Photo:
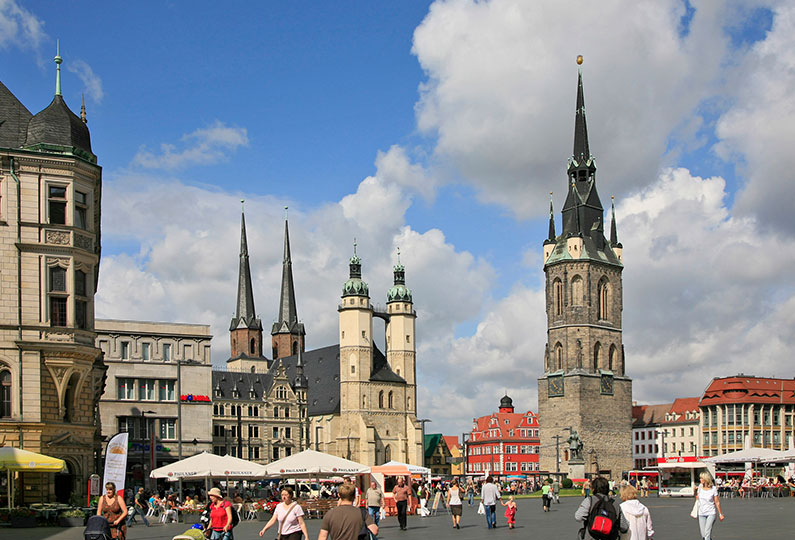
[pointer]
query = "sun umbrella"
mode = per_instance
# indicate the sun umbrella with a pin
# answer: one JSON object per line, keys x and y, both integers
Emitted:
{"x": 14, "y": 459}
{"x": 311, "y": 463}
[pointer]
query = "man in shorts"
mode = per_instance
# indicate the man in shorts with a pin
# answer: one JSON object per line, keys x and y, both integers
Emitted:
{"x": 346, "y": 521}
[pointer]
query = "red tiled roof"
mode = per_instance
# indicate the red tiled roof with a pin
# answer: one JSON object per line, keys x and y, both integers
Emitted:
{"x": 645, "y": 415}
{"x": 747, "y": 389}
{"x": 451, "y": 440}
{"x": 504, "y": 423}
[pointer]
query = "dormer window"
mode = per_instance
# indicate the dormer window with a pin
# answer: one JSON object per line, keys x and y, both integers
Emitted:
{"x": 218, "y": 392}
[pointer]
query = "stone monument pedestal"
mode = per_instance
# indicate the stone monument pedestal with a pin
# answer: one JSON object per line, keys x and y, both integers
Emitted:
{"x": 576, "y": 468}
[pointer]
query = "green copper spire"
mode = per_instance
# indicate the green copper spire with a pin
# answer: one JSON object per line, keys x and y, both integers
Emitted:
{"x": 58, "y": 61}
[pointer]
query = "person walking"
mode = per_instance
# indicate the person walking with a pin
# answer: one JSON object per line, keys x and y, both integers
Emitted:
{"x": 510, "y": 511}
{"x": 454, "y": 503}
{"x": 638, "y": 516}
{"x": 401, "y": 493}
{"x": 375, "y": 501}
{"x": 290, "y": 517}
{"x": 140, "y": 507}
{"x": 708, "y": 505}
{"x": 346, "y": 521}
{"x": 601, "y": 490}
{"x": 644, "y": 487}
{"x": 470, "y": 492}
{"x": 112, "y": 507}
{"x": 556, "y": 490}
{"x": 586, "y": 488}
{"x": 545, "y": 496}
{"x": 489, "y": 495}
{"x": 220, "y": 516}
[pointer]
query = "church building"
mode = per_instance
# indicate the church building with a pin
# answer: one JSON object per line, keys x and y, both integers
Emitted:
{"x": 584, "y": 394}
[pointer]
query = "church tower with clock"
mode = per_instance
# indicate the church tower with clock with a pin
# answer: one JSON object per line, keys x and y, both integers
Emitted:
{"x": 584, "y": 387}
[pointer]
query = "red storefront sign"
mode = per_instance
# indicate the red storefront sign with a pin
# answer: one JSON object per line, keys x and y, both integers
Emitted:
{"x": 193, "y": 397}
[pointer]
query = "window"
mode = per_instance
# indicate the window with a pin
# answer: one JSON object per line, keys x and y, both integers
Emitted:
{"x": 276, "y": 412}
{"x": 126, "y": 389}
{"x": 166, "y": 390}
{"x": 5, "y": 394}
{"x": 275, "y": 433}
{"x": 557, "y": 287}
{"x": 81, "y": 210}
{"x": 146, "y": 390}
{"x": 125, "y": 350}
{"x": 146, "y": 351}
{"x": 56, "y": 199}
{"x": 252, "y": 346}
{"x": 81, "y": 305}
{"x": 166, "y": 352}
{"x": 187, "y": 352}
{"x": 597, "y": 353}
{"x": 58, "y": 296}
{"x": 275, "y": 454}
{"x": 253, "y": 452}
{"x": 389, "y": 400}
{"x": 381, "y": 399}
{"x": 576, "y": 291}
{"x": 604, "y": 299}
{"x": 611, "y": 359}
{"x": 287, "y": 433}
{"x": 559, "y": 356}
{"x": 168, "y": 429}
{"x": 126, "y": 425}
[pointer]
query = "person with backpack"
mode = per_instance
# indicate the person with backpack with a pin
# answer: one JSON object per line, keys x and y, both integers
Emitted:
{"x": 346, "y": 521}
{"x": 638, "y": 516}
{"x": 221, "y": 516}
{"x": 601, "y": 517}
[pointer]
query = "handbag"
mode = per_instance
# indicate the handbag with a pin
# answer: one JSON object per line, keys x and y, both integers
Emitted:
{"x": 694, "y": 511}
{"x": 281, "y": 524}
{"x": 481, "y": 509}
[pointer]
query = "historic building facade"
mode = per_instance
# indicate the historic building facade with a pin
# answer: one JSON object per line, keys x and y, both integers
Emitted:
{"x": 158, "y": 374}
{"x": 503, "y": 443}
{"x": 438, "y": 455}
{"x": 584, "y": 387}
{"x": 745, "y": 411}
{"x": 51, "y": 374}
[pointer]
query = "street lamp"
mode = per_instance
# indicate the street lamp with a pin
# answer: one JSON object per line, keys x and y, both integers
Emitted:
{"x": 423, "y": 421}
{"x": 179, "y": 412}
{"x": 143, "y": 447}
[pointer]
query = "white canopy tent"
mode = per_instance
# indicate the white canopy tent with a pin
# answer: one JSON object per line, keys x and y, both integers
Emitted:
{"x": 312, "y": 463}
{"x": 749, "y": 455}
{"x": 206, "y": 465}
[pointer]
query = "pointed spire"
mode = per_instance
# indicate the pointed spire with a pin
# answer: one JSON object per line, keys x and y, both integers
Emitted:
{"x": 287, "y": 311}
{"x": 245, "y": 314}
{"x": 83, "y": 110}
{"x": 552, "y": 235}
{"x": 58, "y": 61}
{"x": 581, "y": 152}
{"x": 399, "y": 292}
{"x": 355, "y": 286}
{"x": 613, "y": 233}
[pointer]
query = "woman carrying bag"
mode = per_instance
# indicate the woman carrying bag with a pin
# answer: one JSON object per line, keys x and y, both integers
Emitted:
{"x": 290, "y": 516}
{"x": 707, "y": 505}
{"x": 220, "y": 516}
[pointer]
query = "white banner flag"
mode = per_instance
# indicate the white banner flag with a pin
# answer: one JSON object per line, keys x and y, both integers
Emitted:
{"x": 116, "y": 461}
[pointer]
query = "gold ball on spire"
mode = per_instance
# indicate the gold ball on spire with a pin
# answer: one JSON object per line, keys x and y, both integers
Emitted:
{"x": 579, "y": 60}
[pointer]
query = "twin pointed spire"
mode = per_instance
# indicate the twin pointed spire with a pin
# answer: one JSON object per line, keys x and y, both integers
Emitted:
{"x": 288, "y": 314}
{"x": 245, "y": 314}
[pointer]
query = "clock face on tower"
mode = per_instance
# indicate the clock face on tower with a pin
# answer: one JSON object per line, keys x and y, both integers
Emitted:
{"x": 555, "y": 385}
{"x": 606, "y": 384}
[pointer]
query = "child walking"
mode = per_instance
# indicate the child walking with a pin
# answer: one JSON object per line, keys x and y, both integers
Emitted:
{"x": 510, "y": 512}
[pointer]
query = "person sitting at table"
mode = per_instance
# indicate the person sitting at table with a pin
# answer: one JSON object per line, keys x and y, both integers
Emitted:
{"x": 190, "y": 503}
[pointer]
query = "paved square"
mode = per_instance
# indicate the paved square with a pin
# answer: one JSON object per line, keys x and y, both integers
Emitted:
{"x": 768, "y": 519}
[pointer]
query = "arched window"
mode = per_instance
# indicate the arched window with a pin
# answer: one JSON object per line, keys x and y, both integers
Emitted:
{"x": 364, "y": 402}
{"x": 5, "y": 393}
{"x": 604, "y": 299}
{"x": 295, "y": 347}
{"x": 253, "y": 369}
{"x": 611, "y": 362}
{"x": 597, "y": 352}
{"x": 558, "y": 356}
{"x": 557, "y": 298}
{"x": 387, "y": 454}
{"x": 381, "y": 399}
{"x": 576, "y": 291}
{"x": 252, "y": 347}
{"x": 69, "y": 398}
{"x": 287, "y": 412}
{"x": 389, "y": 400}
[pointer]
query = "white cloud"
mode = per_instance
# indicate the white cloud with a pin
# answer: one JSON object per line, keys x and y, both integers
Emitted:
{"x": 91, "y": 81}
{"x": 19, "y": 27}
{"x": 201, "y": 147}
{"x": 501, "y": 87}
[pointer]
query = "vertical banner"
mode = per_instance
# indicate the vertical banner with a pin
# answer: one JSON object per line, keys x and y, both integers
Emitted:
{"x": 116, "y": 461}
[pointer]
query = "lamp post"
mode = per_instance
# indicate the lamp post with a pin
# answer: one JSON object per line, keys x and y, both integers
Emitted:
{"x": 143, "y": 447}
{"x": 179, "y": 413}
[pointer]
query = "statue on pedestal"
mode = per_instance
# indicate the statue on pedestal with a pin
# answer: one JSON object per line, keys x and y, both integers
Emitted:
{"x": 575, "y": 446}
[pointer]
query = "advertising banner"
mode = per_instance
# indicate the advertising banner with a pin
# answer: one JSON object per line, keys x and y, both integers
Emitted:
{"x": 116, "y": 461}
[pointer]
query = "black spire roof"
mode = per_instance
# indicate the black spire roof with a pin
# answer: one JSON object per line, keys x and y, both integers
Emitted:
{"x": 506, "y": 402}
{"x": 551, "y": 237}
{"x": 14, "y": 119}
{"x": 581, "y": 151}
{"x": 613, "y": 233}
{"x": 288, "y": 314}
{"x": 57, "y": 125}
{"x": 245, "y": 316}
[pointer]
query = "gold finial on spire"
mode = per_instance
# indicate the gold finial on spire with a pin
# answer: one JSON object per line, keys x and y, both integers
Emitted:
{"x": 579, "y": 59}
{"x": 83, "y": 110}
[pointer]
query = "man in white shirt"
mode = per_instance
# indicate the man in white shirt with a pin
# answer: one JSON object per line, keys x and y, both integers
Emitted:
{"x": 489, "y": 495}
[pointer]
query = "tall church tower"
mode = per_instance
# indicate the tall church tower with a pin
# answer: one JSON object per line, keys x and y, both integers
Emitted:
{"x": 245, "y": 330}
{"x": 287, "y": 334}
{"x": 356, "y": 338}
{"x": 401, "y": 352}
{"x": 584, "y": 386}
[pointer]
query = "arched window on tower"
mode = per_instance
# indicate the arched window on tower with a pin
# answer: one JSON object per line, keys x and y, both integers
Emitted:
{"x": 5, "y": 393}
{"x": 295, "y": 347}
{"x": 611, "y": 359}
{"x": 597, "y": 353}
{"x": 558, "y": 356}
{"x": 604, "y": 299}
{"x": 252, "y": 346}
{"x": 557, "y": 297}
{"x": 364, "y": 402}
{"x": 381, "y": 399}
{"x": 576, "y": 291}
{"x": 387, "y": 454}
{"x": 389, "y": 400}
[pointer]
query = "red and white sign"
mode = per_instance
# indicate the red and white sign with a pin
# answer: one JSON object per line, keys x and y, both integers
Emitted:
{"x": 679, "y": 459}
{"x": 193, "y": 397}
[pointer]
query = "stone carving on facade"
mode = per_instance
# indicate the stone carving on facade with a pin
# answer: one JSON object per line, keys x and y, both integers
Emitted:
{"x": 57, "y": 237}
{"x": 84, "y": 242}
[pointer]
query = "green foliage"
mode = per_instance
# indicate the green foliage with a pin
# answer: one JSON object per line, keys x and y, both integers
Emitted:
{"x": 566, "y": 483}
{"x": 73, "y": 513}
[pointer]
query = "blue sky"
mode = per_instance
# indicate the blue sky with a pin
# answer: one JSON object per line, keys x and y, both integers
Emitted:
{"x": 439, "y": 127}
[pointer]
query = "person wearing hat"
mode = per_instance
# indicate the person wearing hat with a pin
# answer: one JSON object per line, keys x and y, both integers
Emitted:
{"x": 220, "y": 516}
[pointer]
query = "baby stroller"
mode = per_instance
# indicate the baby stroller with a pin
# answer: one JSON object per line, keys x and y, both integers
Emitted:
{"x": 97, "y": 528}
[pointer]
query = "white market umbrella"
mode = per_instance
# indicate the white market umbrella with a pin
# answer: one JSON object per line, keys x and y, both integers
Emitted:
{"x": 206, "y": 465}
{"x": 748, "y": 455}
{"x": 313, "y": 463}
{"x": 413, "y": 469}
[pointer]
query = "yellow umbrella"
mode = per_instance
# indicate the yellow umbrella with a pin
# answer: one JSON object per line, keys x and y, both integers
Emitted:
{"x": 14, "y": 459}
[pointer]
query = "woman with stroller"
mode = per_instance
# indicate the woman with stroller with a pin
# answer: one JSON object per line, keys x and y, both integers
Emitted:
{"x": 112, "y": 508}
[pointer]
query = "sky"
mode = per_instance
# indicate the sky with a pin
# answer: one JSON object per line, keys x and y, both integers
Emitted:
{"x": 439, "y": 128}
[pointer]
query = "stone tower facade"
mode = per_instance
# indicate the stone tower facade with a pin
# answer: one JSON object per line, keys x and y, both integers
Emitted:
{"x": 245, "y": 329}
{"x": 584, "y": 387}
{"x": 287, "y": 334}
{"x": 51, "y": 373}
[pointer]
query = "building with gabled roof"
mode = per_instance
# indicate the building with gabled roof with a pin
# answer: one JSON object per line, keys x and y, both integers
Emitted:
{"x": 664, "y": 432}
{"x": 503, "y": 443}
{"x": 456, "y": 455}
{"x": 438, "y": 455}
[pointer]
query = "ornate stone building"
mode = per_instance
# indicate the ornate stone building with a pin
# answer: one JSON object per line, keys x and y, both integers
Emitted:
{"x": 51, "y": 374}
{"x": 584, "y": 386}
